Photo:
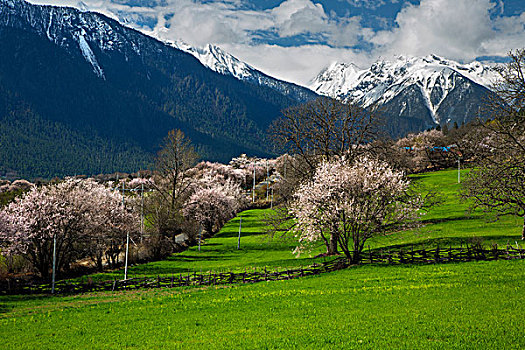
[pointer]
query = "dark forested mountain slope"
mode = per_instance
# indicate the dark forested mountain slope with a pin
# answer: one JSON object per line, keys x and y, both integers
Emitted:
{"x": 80, "y": 93}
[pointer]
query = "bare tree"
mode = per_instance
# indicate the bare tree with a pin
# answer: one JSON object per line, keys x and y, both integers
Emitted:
{"x": 499, "y": 181}
{"x": 176, "y": 156}
{"x": 323, "y": 128}
{"x": 172, "y": 184}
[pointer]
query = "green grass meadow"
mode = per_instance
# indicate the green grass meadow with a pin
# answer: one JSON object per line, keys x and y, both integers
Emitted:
{"x": 473, "y": 305}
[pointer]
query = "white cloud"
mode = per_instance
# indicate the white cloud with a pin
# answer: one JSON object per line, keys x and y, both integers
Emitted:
{"x": 294, "y": 17}
{"x": 298, "y": 64}
{"x": 457, "y": 29}
{"x": 371, "y": 4}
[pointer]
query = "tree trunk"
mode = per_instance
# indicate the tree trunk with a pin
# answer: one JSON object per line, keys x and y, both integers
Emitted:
{"x": 331, "y": 248}
{"x": 332, "y": 245}
{"x": 99, "y": 263}
{"x": 356, "y": 258}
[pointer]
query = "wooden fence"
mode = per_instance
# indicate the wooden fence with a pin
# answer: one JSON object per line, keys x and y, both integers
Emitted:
{"x": 401, "y": 256}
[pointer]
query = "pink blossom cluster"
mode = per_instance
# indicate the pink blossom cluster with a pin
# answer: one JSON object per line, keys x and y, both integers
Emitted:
{"x": 222, "y": 172}
{"x": 353, "y": 200}
{"x": 247, "y": 165}
{"x": 422, "y": 140}
{"x": 213, "y": 202}
{"x": 82, "y": 215}
{"x": 138, "y": 182}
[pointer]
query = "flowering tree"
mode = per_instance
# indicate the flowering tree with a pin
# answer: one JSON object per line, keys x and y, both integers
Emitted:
{"x": 108, "y": 223}
{"x": 222, "y": 172}
{"x": 78, "y": 213}
{"x": 140, "y": 182}
{"x": 323, "y": 129}
{"x": 213, "y": 203}
{"x": 356, "y": 200}
{"x": 6, "y": 228}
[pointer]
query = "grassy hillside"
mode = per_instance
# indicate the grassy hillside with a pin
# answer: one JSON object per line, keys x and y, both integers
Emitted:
{"x": 448, "y": 224}
{"x": 475, "y": 305}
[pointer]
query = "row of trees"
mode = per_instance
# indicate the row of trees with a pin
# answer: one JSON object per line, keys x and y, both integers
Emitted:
{"x": 85, "y": 218}
{"x": 90, "y": 219}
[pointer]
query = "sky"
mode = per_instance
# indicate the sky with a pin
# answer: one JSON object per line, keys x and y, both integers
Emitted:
{"x": 294, "y": 40}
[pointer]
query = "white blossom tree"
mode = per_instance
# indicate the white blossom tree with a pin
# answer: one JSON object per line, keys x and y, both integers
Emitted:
{"x": 214, "y": 203}
{"x": 107, "y": 223}
{"x": 80, "y": 214}
{"x": 357, "y": 200}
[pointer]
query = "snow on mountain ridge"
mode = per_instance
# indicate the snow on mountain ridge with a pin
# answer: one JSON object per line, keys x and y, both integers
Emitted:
{"x": 224, "y": 63}
{"x": 435, "y": 77}
{"x": 216, "y": 59}
{"x": 67, "y": 27}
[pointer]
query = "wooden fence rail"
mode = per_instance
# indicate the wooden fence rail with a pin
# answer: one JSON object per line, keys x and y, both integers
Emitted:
{"x": 401, "y": 256}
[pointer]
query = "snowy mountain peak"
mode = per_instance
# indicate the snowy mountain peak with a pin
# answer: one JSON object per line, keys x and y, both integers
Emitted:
{"x": 224, "y": 63}
{"x": 433, "y": 76}
{"x": 216, "y": 59}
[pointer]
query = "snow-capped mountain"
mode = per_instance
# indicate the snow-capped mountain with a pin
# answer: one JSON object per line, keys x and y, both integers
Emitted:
{"x": 224, "y": 63}
{"x": 87, "y": 93}
{"x": 86, "y": 29}
{"x": 448, "y": 91}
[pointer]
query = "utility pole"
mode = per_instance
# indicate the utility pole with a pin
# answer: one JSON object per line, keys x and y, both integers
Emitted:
{"x": 54, "y": 263}
{"x": 253, "y": 189}
{"x": 267, "y": 181}
{"x": 239, "y": 239}
{"x": 200, "y": 235}
{"x": 459, "y": 169}
{"x": 127, "y": 237}
{"x": 141, "y": 212}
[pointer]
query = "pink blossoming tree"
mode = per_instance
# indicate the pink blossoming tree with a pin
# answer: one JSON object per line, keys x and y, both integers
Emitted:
{"x": 81, "y": 214}
{"x": 356, "y": 201}
{"x": 213, "y": 203}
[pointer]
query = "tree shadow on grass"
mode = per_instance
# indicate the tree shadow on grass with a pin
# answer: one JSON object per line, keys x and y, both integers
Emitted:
{"x": 452, "y": 218}
{"x": 159, "y": 270}
{"x": 446, "y": 242}
{"x": 203, "y": 257}
{"x": 229, "y": 234}
{"x": 8, "y": 302}
{"x": 418, "y": 177}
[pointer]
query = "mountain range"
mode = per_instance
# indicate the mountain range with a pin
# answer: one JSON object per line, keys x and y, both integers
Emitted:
{"x": 414, "y": 93}
{"x": 80, "y": 93}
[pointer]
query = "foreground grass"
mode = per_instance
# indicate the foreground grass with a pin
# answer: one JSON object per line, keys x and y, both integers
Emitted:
{"x": 476, "y": 305}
